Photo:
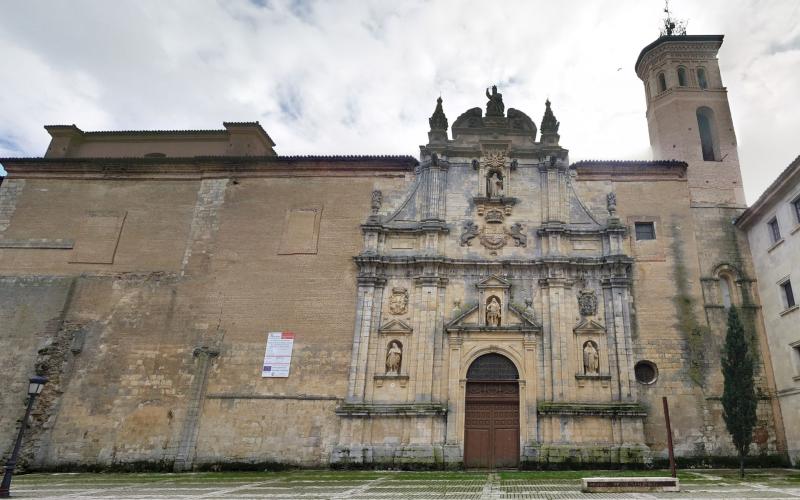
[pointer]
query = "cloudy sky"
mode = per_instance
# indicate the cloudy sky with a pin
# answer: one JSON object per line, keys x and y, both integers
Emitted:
{"x": 362, "y": 77}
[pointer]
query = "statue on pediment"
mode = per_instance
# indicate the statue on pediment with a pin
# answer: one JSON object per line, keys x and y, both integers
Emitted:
{"x": 495, "y": 106}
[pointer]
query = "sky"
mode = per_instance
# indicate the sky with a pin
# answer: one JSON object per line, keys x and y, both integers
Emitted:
{"x": 362, "y": 77}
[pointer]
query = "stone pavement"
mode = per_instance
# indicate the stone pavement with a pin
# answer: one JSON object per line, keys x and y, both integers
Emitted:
{"x": 772, "y": 483}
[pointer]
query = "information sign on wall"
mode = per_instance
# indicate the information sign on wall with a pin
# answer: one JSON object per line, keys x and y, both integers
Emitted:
{"x": 278, "y": 357}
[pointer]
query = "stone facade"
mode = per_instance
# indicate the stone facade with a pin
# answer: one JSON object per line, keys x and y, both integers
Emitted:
{"x": 776, "y": 257}
{"x": 141, "y": 272}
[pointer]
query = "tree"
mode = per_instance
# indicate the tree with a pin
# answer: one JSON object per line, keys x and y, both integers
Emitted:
{"x": 738, "y": 396}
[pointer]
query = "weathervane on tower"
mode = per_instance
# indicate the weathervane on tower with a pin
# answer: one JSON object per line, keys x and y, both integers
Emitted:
{"x": 672, "y": 26}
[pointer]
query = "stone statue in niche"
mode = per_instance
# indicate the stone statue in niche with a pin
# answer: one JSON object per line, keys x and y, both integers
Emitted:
{"x": 517, "y": 233}
{"x": 394, "y": 358}
{"x": 493, "y": 311}
{"x": 495, "y": 106}
{"x": 587, "y": 302}
{"x": 377, "y": 201}
{"x": 494, "y": 185}
{"x": 470, "y": 231}
{"x": 398, "y": 302}
{"x": 591, "y": 359}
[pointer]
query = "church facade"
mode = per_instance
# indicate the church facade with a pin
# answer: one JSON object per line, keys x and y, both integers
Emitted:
{"x": 490, "y": 305}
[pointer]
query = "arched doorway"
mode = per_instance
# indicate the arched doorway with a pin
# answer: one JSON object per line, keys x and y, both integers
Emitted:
{"x": 491, "y": 416}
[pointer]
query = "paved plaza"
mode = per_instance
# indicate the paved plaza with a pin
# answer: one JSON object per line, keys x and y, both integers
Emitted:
{"x": 772, "y": 483}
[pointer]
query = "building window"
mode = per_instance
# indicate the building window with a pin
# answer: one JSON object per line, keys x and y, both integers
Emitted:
{"x": 682, "y": 76}
{"x": 662, "y": 82}
{"x": 645, "y": 230}
{"x": 774, "y": 230}
{"x": 701, "y": 78}
{"x": 796, "y": 207}
{"x": 706, "y": 125}
{"x": 788, "y": 294}
{"x": 796, "y": 354}
{"x": 645, "y": 372}
{"x": 725, "y": 289}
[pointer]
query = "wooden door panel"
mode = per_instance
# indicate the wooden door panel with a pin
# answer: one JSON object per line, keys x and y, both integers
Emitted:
{"x": 476, "y": 448}
{"x": 506, "y": 448}
{"x": 491, "y": 425}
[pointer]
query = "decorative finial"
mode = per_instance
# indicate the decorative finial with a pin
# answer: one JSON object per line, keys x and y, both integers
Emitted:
{"x": 611, "y": 203}
{"x": 672, "y": 26}
{"x": 376, "y": 202}
{"x": 549, "y": 122}
{"x": 438, "y": 120}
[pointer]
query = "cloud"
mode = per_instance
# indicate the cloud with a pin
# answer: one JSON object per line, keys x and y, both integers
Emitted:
{"x": 350, "y": 76}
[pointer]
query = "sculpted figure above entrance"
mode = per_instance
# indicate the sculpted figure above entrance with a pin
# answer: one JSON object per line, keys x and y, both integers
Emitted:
{"x": 542, "y": 254}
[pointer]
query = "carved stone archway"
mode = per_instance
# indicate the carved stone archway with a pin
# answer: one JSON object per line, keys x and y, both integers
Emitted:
{"x": 492, "y": 413}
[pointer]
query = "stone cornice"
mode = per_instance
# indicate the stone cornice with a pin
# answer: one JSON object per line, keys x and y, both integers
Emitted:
{"x": 596, "y": 409}
{"x": 205, "y": 166}
{"x": 630, "y": 170}
{"x": 371, "y": 259}
{"x": 691, "y": 42}
{"x": 391, "y": 410}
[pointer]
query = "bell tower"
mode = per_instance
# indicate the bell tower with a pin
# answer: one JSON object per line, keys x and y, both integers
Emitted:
{"x": 688, "y": 115}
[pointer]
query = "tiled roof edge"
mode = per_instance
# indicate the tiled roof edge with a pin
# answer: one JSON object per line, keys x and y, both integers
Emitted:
{"x": 762, "y": 200}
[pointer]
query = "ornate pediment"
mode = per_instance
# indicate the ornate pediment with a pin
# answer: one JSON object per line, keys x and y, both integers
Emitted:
{"x": 587, "y": 325}
{"x": 468, "y": 320}
{"x": 493, "y": 281}
{"x": 396, "y": 327}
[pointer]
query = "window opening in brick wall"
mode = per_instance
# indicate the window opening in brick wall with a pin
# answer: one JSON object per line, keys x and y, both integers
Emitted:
{"x": 645, "y": 230}
{"x": 701, "y": 78}
{"x": 725, "y": 288}
{"x": 774, "y": 230}
{"x": 707, "y": 127}
{"x": 646, "y": 372}
{"x": 662, "y": 82}
{"x": 682, "y": 76}
{"x": 788, "y": 294}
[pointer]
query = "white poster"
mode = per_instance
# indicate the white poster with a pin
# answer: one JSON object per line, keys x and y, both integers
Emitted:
{"x": 279, "y": 354}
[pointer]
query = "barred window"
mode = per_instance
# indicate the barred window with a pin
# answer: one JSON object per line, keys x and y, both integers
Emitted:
{"x": 645, "y": 231}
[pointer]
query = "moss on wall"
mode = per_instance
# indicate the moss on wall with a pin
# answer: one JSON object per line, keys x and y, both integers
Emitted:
{"x": 685, "y": 306}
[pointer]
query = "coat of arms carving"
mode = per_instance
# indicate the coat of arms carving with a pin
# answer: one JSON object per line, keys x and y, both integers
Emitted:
{"x": 587, "y": 302}
{"x": 398, "y": 302}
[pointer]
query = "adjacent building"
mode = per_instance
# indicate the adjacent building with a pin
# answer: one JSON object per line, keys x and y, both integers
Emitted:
{"x": 490, "y": 304}
{"x": 772, "y": 225}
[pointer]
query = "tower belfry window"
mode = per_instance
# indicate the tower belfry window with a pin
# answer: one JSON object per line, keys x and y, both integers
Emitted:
{"x": 706, "y": 125}
{"x": 702, "y": 81}
{"x": 662, "y": 82}
{"x": 682, "y": 76}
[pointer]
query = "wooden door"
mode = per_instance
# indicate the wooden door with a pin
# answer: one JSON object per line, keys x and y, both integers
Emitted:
{"x": 491, "y": 424}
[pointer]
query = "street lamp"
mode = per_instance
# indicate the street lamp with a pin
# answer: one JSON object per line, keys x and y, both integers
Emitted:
{"x": 35, "y": 387}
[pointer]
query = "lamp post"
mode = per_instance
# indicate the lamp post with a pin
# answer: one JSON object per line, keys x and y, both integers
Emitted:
{"x": 35, "y": 387}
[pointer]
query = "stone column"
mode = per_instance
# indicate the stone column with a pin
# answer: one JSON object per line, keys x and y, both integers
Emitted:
{"x": 369, "y": 295}
{"x": 620, "y": 356}
{"x": 556, "y": 338}
{"x": 425, "y": 332}
{"x": 531, "y": 376}
{"x": 455, "y": 406}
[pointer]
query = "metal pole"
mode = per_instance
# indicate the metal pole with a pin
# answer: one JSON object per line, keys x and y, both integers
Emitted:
{"x": 12, "y": 461}
{"x": 669, "y": 438}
